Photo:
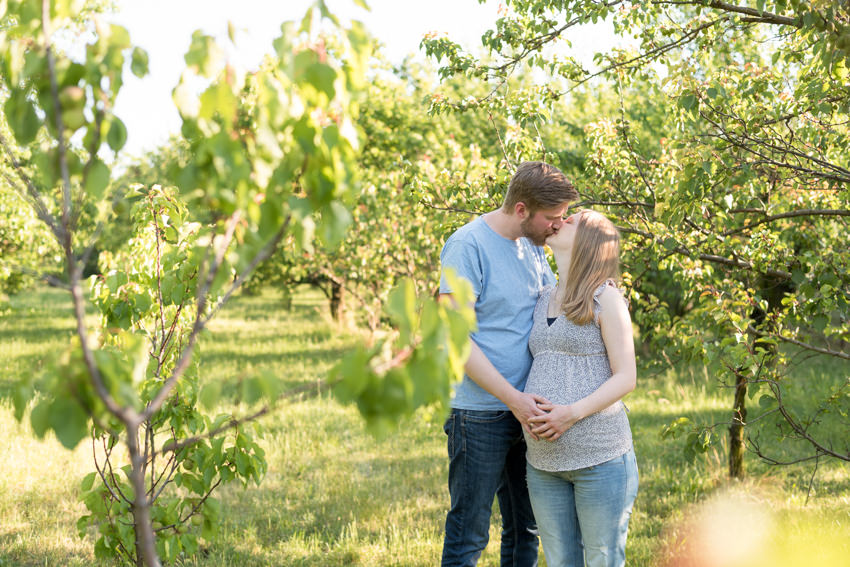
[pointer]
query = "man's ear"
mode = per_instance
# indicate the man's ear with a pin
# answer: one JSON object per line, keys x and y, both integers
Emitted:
{"x": 521, "y": 210}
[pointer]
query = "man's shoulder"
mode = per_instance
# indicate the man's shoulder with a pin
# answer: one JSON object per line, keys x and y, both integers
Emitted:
{"x": 473, "y": 227}
{"x": 469, "y": 234}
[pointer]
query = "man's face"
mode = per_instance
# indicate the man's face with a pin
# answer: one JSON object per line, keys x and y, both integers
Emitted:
{"x": 543, "y": 223}
{"x": 563, "y": 238}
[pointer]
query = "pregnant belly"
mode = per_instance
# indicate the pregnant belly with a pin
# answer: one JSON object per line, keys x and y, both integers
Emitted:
{"x": 565, "y": 383}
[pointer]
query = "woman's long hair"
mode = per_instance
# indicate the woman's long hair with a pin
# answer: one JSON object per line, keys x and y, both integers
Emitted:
{"x": 595, "y": 259}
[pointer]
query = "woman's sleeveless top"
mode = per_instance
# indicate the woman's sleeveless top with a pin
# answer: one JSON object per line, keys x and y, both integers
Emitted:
{"x": 570, "y": 362}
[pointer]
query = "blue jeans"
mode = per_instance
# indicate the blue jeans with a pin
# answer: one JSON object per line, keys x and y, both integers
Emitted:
{"x": 583, "y": 514}
{"x": 487, "y": 459}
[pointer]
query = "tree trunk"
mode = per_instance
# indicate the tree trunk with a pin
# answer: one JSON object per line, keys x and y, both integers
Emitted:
{"x": 736, "y": 430}
{"x": 146, "y": 555}
{"x": 286, "y": 299}
{"x": 337, "y": 301}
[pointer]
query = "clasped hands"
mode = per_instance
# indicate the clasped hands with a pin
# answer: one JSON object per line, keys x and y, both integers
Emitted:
{"x": 545, "y": 420}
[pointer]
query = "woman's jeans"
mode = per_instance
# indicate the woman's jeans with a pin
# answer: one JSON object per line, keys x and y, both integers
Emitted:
{"x": 487, "y": 459}
{"x": 583, "y": 515}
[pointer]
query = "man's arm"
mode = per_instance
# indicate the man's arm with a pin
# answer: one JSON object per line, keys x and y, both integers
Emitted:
{"x": 479, "y": 368}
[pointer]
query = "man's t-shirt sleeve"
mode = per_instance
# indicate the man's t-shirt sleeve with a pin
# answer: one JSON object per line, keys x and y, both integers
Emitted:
{"x": 463, "y": 259}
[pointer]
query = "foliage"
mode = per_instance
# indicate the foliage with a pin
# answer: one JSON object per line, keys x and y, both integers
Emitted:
{"x": 412, "y": 166}
{"x": 269, "y": 155}
{"x": 146, "y": 310}
{"x": 721, "y": 150}
{"x": 420, "y": 360}
{"x": 25, "y": 244}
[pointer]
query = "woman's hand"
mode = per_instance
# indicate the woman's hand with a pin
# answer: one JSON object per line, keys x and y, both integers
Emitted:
{"x": 555, "y": 422}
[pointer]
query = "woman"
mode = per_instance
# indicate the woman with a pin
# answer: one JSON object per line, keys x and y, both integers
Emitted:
{"x": 582, "y": 474}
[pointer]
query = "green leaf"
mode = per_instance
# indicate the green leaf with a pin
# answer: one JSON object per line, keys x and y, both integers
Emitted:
{"x": 69, "y": 421}
{"x": 325, "y": 13}
{"x": 22, "y": 117}
{"x": 40, "y": 418}
{"x": 119, "y": 37}
{"x": 688, "y": 101}
{"x": 307, "y": 21}
{"x": 97, "y": 179}
{"x": 204, "y": 55}
{"x": 766, "y": 401}
{"x": 66, "y": 8}
{"x": 675, "y": 428}
{"x": 353, "y": 375}
{"x": 219, "y": 100}
{"x": 139, "y": 62}
{"x": 251, "y": 390}
{"x": 335, "y": 221}
{"x": 116, "y": 137}
{"x": 322, "y": 77}
{"x": 88, "y": 482}
{"x": 401, "y": 306}
{"x": 82, "y": 525}
{"x": 73, "y": 119}
{"x": 21, "y": 396}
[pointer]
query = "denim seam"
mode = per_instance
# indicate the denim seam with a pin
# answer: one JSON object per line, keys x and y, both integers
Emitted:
{"x": 462, "y": 425}
{"x": 515, "y": 521}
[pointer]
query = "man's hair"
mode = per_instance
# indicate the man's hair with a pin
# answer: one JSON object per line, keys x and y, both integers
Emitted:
{"x": 540, "y": 186}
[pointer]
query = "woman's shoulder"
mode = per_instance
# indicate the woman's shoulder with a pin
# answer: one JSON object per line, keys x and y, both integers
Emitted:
{"x": 608, "y": 289}
{"x": 608, "y": 296}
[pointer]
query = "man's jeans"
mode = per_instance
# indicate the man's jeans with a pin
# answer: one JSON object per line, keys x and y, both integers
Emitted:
{"x": 487, "y": 458}
{"x": 584, "y": 514}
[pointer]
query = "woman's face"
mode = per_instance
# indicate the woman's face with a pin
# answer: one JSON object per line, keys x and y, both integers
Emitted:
{"x": 563, "y": 238}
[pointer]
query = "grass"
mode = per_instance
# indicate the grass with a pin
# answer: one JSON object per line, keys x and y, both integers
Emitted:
{"x": 334, "y": 495}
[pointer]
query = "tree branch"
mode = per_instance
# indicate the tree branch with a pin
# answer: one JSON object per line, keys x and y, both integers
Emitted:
{"x": 189, "y": 441}
{"x": 791, "y": 214}
{"x": 759, "y": 16}
{"x": 32, "y": 194}
{"x": 648, "y": 56}
{"x": 504, "y": 151}
{"x": 826, "y": 351}
{"x": 753, "y": 15}
{"x": 800, "y": 430}
{"x": 708, "y": 257}
{"x": 450, "y": 209}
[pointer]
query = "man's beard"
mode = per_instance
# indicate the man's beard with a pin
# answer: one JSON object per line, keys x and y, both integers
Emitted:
{"x": 538, "y": 239}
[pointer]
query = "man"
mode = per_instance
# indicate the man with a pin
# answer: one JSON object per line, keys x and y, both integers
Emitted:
{"x": 501, "y": 254}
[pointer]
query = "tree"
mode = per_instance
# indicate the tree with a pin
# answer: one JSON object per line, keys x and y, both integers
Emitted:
{"x": 256, "y": 175}
{"x": 731, "y": 181}
{"x": 406, "y": 154}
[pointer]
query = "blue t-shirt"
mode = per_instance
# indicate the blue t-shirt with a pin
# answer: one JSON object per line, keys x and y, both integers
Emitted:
{"x": 506, "y": 276}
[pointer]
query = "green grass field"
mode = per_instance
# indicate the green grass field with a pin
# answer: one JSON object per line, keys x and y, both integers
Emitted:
{"x": 334, "y": 495}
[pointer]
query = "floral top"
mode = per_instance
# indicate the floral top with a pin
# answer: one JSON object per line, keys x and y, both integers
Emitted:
{"x": 570, "y": 363}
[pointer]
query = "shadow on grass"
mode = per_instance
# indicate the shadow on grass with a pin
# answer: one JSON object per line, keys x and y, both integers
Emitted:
{"x": 302, "y": 506}
{"x": 308, "y": 356}
{"x": 308, "y": 304}
{"x": 38, "y": 557}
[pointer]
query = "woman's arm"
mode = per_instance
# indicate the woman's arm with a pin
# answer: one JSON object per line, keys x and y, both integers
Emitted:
{"x": 616, "y": 326}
